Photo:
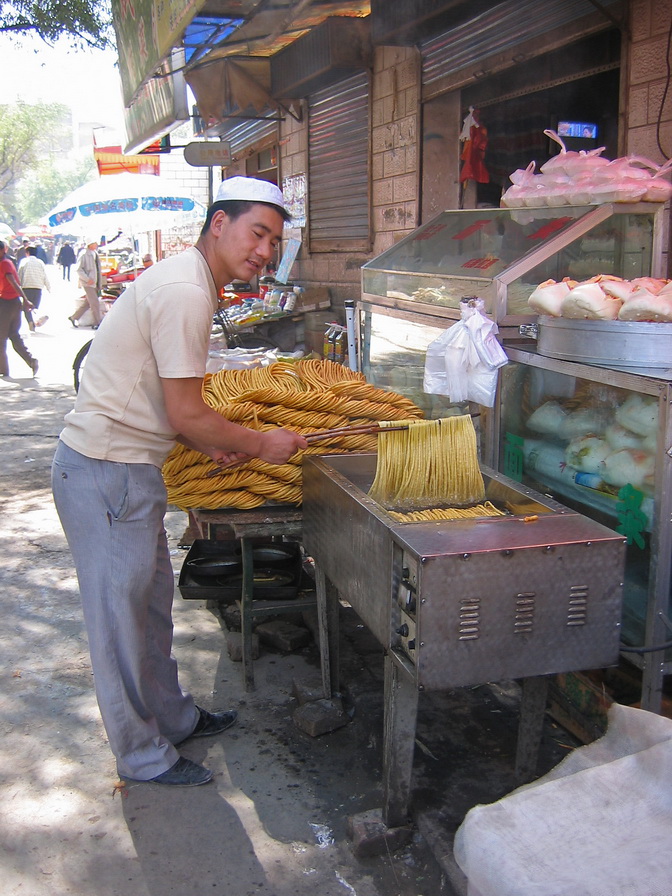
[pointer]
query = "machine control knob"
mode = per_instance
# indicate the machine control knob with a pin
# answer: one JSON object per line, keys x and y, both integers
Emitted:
{"x": 403, "y": 630}
{"x": 411, "y": 606}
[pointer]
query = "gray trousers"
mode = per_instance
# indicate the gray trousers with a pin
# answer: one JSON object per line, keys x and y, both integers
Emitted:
{"x": 91, "y": 300}
{"x": 112, "y": 515}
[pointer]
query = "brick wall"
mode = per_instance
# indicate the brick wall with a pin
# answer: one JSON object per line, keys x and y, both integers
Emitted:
{"x": 650, "y": 22}
{"x": 394, "y": 145}
{"x": 192, "y": 181}
{"x": 648, "y": 113}
{"x": 394, "y": 160}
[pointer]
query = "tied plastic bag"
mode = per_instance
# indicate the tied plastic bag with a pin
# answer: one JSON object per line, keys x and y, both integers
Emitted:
{"x": 463, "y": 362}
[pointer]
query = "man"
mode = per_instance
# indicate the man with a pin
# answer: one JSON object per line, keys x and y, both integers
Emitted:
{"x": 140, "y": 394}
{"x": 22, "y": 251}
{"x": 41, "y": 253}
{"x": 66, "y": 258}
{"x": 33, "y": 277}
{"x": 91, "y": 281}
{"x": 11, "y": 296}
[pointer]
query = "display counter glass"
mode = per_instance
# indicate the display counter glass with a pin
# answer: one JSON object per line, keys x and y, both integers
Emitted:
{"x": 501, "y": 256}
{"x": 593, "y": 439}
{"x": 393, "y": 347}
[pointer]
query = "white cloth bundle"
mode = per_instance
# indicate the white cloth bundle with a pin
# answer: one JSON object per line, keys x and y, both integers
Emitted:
{"x": 598, "y": 824}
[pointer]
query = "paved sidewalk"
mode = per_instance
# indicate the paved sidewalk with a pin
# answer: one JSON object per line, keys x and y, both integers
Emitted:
{"x": 274, "y": 820}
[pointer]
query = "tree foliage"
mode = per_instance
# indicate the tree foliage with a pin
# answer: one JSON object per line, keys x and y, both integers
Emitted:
{"x": 49, "y": 183}
{"x": 29, "y": 135}
{"x": 86, "y": 23}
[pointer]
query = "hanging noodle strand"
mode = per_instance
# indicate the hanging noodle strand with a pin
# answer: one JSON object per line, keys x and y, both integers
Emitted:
{"x": 433, "y": 463}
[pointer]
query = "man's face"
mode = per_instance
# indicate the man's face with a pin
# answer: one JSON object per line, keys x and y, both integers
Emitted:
{"x": 245, "y": 245}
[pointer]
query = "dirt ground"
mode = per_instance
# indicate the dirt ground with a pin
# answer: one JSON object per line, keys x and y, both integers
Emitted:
{"x": 274, "y": 820}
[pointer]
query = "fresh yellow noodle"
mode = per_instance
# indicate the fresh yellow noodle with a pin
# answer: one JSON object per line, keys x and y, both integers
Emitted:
{"x": 432, "y": 463}
{"x": 448, "y": 513}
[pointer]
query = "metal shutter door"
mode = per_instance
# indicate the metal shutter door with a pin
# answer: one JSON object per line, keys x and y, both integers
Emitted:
{"x": 499, "y": 29}
{"x": 338, "y": 166}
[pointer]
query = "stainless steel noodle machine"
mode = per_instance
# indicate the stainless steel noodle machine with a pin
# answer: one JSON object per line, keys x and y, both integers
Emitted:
{"x": 461, "y": 602}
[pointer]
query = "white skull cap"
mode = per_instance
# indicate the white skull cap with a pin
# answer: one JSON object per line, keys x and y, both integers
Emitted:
{"x": 250, "y": 189}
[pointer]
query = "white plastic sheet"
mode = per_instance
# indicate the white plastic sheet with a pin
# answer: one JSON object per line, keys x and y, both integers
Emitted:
{"x": 599, "y": 824}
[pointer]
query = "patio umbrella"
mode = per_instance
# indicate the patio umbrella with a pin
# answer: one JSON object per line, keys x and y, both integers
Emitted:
{"x": 6, "y": 232}
{"x": 35, "y": 231}
{"x": 133, "y": 203}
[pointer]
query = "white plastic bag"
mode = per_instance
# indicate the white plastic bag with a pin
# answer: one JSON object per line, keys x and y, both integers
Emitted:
{"x": 463, "y": 362}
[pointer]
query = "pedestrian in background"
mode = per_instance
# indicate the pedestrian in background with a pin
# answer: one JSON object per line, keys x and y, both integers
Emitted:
{"x": 22, "y": 251}
{"x": 66, "y": 258}
{"x": 33, "y": 278}
{"x": 91, "y": 281}
{"x": 11, "y": 295}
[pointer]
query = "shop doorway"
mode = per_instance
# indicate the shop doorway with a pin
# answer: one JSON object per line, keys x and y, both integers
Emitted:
{"x": 578, "y": 84}
{"x": 587, "y": 108}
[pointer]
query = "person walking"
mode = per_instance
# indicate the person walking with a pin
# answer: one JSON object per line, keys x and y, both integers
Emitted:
{"x": 11, "y": 296}
{"x": 141, "y": 393}
{"x": 22, "y": 251}
{"x": 33, "y": 278}
{"x": 91, "y": 281}
{"x": 66, "y": 258}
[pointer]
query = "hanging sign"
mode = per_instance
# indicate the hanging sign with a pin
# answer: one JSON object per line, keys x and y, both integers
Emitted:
{"x": 205, "y": 155}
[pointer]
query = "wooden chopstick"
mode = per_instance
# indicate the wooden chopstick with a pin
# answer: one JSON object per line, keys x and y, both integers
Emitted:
{"x": 358, "y": 429}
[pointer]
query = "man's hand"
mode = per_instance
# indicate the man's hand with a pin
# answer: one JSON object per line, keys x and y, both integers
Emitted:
{"x": 200, "y": 425}
{"x": 224, "y": 458}
{"x": 278, "y": 445}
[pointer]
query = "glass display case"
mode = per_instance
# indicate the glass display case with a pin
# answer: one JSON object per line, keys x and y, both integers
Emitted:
{"x": 597, "y": 440}
{"x": 393, "y": 346}
{"x": 501, "y": 255}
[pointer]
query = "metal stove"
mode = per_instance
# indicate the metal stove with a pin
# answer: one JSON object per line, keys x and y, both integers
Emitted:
{"x": 460, "y": 602}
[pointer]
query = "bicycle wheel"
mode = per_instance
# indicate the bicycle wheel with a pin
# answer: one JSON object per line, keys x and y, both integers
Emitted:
{"x": 251, "y": 340}
{"x": 78, "y": 363}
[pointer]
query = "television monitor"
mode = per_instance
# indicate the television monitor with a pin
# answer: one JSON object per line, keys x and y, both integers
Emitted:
{"x": 585, "y": 130}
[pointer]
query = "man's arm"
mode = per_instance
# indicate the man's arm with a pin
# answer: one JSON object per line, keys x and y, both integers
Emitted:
{"x": 17, "y": 286}
{"x": 199, "y": 426}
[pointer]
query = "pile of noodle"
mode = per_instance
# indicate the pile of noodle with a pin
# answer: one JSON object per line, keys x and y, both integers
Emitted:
{"x": 306, "y": 396}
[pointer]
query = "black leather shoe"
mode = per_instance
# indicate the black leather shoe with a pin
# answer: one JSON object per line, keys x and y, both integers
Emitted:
{"x": 210, "y": 723}
{"x": 184, "y": 773}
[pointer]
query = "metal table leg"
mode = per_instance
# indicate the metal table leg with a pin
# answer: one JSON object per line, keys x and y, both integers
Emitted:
{"x": 329, "y": 631}
{"x": 401, "y": 711}
{"x": 246, "y": 612}
{"x": 530, "y": 727}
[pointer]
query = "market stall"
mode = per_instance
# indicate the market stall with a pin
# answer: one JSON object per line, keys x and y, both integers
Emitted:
{"x": 411, "y": 294}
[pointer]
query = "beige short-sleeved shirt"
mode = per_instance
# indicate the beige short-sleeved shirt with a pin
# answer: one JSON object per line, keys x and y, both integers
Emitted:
{"x": 158, "y": 328}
